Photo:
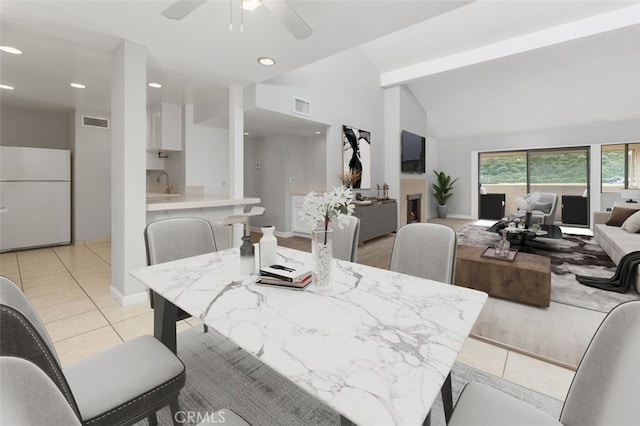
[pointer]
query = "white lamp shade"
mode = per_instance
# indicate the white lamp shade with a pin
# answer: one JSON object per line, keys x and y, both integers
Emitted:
{"x": 630, "y": 194}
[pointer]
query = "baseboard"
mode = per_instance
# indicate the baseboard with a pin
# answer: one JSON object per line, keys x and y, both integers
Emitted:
{"x": 131, "y": 299}
{"x": 283, "y": 234}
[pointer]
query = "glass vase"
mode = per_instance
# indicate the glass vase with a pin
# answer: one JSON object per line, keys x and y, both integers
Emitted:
{"x": 322, "y": 252}
{"x": 502, "y": 247}
{"x": 247, "y": 256}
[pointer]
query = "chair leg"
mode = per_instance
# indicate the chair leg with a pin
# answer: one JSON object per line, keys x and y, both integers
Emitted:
{"x": 206, "y": 328}
{"x": 447, "y": 398}
{"x": 174, "y": 407}
{"x": 152, "y": 419}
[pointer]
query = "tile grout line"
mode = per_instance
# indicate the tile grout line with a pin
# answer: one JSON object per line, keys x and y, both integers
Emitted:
{"x": 87, "y": 294}
{"x": 504, "y": 366}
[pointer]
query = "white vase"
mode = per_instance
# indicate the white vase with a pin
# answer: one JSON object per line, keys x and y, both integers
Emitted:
{"x": 322, "y": 251}
{"x": 268, "y": 247}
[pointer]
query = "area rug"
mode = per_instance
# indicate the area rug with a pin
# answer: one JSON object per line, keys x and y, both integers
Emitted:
{"x": 571, "y": 255}
{"x": 220, "y": 375}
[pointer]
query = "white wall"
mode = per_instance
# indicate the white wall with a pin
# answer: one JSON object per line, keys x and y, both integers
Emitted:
{"x": 33, "y": 127}
{"x": 288, "y": 164}
{"x": 343, "y": 90}
{"x": 455, "y": 155}
{"x": 91, "y": 178}
{"x": 206, "y": 151}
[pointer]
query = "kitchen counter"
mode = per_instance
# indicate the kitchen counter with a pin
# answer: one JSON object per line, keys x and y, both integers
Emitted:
{"x": 181, "y": 202}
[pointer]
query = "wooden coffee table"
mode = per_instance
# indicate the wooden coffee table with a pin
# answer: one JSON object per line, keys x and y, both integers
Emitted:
{"x": 526, "y": 280}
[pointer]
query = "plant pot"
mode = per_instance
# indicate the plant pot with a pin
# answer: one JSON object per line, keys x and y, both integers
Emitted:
{"x": 442, "y": 210}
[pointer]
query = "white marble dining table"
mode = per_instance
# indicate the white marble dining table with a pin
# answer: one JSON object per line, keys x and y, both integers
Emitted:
{"x": 376, "y": 346}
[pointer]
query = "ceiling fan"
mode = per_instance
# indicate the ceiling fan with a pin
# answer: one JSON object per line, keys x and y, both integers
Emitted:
{"x": 281, "y": 9}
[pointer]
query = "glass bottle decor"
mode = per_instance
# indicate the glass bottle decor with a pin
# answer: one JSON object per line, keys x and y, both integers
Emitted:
{"x": 268, "y": 247}
{"x": 322, "y": 252}
{"x": 502, "y": 247}
{"x": 247, "y": 256}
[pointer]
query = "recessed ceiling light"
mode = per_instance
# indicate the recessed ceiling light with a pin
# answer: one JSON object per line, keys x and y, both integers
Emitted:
{"x": 154, "y": 85}
{"x": 263, "y": 60}
{"x": 251, "y": 4}
{"x": 5, "y": 87}
{"x": 78, "y": 85}
{"x": 246, "y": 133}
{"x": 318, "y": 133}
{"x": 12, "y": 50}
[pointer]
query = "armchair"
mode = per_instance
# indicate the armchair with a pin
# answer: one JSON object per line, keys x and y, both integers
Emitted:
{"x": 544, "y": 209}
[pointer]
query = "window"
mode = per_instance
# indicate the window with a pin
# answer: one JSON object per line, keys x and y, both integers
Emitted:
{"x": 620, "y": 167}
{"x": 562, "y": 171}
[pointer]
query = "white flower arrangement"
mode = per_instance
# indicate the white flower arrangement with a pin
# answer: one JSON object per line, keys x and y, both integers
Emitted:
{"x": 527, "y": 202}
{"x": 332, "y": 206}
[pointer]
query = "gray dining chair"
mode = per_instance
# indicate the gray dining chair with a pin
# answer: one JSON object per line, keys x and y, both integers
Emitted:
{"x": 122, "y": 385}
{"x": 345, "y": 239}
{"x": 428, "y": 250}
{"x": 178, "y": 238}
{"x": 604, "y": 390}
{"x": 425, "y": 250}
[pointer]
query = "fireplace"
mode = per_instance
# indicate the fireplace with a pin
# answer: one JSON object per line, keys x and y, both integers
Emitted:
{"x": 413, "y": 207}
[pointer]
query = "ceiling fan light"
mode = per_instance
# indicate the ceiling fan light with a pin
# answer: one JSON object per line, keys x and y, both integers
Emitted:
{"x": 251, "y": 4}
{"x": 266, "y": 61}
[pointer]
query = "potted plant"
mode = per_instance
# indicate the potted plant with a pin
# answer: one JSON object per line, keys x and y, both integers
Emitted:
{"x": 442, "y": 191}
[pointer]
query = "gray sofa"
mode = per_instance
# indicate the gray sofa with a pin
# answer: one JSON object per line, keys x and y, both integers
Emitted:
{"x": 615, "y": 241}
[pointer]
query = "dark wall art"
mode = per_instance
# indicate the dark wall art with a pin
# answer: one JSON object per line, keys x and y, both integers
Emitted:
{"x": 356, "y": 156}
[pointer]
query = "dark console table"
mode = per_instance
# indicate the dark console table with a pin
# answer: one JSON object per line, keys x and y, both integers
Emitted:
{"x": 377, "y": 219}
{"x": 575, "y": 210}
{"x": 492, "y": 206}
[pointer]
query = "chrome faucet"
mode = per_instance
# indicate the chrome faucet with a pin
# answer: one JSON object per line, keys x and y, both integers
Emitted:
{"x": 168, "y": 189}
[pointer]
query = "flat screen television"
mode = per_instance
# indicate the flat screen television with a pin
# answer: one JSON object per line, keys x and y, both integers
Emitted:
{"x": 412, "y": 152}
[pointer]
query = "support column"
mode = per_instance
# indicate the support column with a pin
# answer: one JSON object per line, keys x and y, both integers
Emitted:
{"x": 236, "y": 143}
{"x": 128, "y": 159}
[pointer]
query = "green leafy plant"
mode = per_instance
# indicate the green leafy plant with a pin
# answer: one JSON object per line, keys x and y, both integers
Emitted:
{"x": 442, "y": 188}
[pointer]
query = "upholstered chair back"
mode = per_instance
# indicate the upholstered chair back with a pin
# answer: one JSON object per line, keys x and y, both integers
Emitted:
{"x": 30, "y": 397}
{"x": 23, "y": 335}
{"x": 426, "y": 250}
{"x": 345, "y": 239}
{"x": 177, "y": 238}
{"x": 605, "y": 388}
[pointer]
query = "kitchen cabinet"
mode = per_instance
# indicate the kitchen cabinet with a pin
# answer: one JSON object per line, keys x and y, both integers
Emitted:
{"x": 164, "y": 128}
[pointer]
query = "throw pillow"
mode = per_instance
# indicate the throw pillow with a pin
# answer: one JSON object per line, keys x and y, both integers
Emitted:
{"x": 632, "y": 224}
{"x": 543, "y": 207}
{"x": 619, "y": 215}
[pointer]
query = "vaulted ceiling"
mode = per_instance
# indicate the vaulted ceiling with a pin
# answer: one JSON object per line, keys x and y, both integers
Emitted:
{"x": 582, "y": 79}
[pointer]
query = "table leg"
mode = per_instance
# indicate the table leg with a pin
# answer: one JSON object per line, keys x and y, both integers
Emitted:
{"x": 164, "y": 321}
{"x": 345, "y": 421}
{"x": 447, "y": 398}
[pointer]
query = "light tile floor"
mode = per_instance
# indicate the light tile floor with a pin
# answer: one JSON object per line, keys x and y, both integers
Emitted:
{"x": 69, "y": 287}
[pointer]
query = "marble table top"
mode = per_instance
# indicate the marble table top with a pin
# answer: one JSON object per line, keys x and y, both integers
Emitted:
{"x": 376, "y": 346}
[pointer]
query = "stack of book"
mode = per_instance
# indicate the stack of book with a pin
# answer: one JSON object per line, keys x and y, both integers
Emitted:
{"x": 285, "y": 276}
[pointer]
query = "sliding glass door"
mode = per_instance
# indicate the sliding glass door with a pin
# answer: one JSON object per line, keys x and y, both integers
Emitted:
{"x": 563, "y": 171}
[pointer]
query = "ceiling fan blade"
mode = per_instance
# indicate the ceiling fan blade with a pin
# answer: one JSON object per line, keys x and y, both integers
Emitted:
{"x": 182, "y": 8}
{"x": 289, "y": 18}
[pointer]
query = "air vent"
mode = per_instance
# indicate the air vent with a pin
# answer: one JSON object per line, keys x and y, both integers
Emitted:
{"x": 103, "y": 123}
{"x": 300, "y": 106}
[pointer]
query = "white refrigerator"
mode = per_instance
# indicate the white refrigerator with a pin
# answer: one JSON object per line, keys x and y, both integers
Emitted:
{"x": 35, "y": 197}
